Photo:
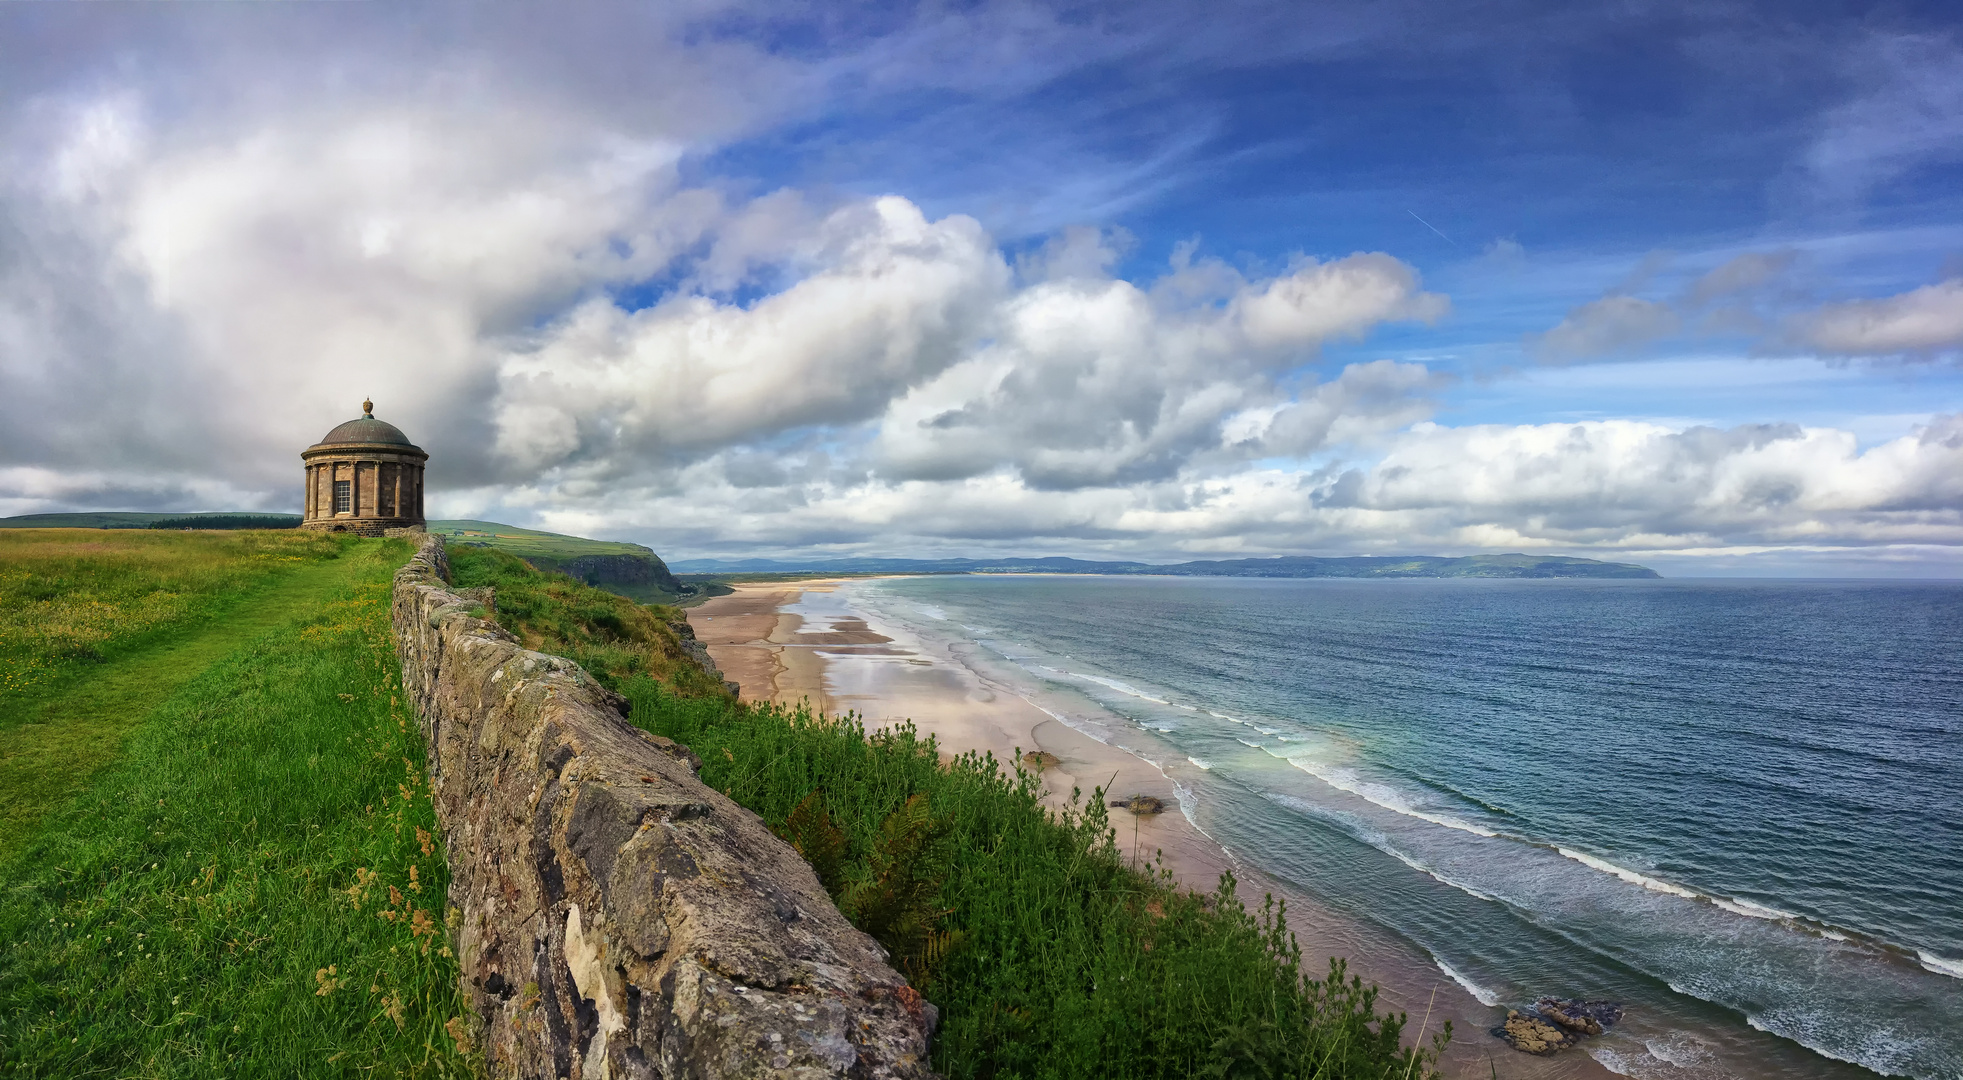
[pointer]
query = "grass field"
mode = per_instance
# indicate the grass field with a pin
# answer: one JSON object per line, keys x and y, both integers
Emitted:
{"x": 94, "y": 624}
{"x": 1048, "y": 956}
{"x": 250, "y": 882}
{"x": 70, "y": 597}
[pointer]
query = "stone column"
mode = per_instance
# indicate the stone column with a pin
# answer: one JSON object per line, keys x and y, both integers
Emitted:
{"x": 397, "y": 506}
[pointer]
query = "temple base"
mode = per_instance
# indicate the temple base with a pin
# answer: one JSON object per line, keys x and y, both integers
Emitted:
{"x": 365, "y": 526}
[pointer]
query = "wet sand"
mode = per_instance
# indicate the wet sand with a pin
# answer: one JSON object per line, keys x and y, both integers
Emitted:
{"x": 842, "y": 664}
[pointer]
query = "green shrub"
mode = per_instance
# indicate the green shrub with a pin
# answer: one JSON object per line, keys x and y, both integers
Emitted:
{"x": 1048, "y": 956}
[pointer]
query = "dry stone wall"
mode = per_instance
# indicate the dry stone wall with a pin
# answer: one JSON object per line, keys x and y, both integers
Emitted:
{"x": 614, "y": 916}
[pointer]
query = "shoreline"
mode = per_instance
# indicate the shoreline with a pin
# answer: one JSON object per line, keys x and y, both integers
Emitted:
{"x": 842, "y": 663}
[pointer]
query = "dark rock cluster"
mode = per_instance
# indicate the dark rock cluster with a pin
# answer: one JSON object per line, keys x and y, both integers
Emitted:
{"x": 1554, "y": 1024}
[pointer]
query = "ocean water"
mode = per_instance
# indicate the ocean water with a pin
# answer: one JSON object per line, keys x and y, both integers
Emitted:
{"x": 1737, "y": 807}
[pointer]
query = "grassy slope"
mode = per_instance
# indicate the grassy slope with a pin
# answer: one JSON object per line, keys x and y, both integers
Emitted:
{"x": 1048, "y": 956}
{"x": 254, "y": 888}
{"x": 607, "y": 634}
{"x": 524, "y": 542}
{"x": 554, "y": 552}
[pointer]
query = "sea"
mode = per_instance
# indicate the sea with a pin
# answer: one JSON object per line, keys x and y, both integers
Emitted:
{"x": 1734, "y": 807}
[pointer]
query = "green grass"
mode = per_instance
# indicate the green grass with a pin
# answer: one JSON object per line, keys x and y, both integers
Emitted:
{"x": 70, "y": 598}
{"x": 528, "y": 542}
{"x": 95, "y": 628}
{"x": 1048, "y": 956}
{"x": 255, "y": 886}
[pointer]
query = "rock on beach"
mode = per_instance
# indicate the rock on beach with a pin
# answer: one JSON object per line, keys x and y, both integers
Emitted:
{"x": 1554, "y": 1024}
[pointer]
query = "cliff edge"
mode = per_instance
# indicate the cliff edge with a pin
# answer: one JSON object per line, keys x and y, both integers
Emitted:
{"x": 619, "y": 918}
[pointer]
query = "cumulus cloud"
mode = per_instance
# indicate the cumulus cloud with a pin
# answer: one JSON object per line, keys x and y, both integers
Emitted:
{"x": 1094, "y": 381}
{"x": 1924, "y": 320}
{"x": 898, "y": 299}
{"x": 274, "y": 274}
{"x": 1635, "y": 483}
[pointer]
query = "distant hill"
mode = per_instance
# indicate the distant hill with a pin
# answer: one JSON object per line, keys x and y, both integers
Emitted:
{"x": 629, "y": 570}
{"x": 1284, "y": 566}
{"x": 217, "y": 519}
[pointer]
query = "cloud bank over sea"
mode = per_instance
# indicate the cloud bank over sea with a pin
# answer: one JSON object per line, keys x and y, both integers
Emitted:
{"x": 729, "y": 281}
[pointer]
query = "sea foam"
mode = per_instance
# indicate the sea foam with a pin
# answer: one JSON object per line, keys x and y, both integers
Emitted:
{"x": 1631, "y": 876}
{"x": 1940, "y": 965}
{"x": 1481, "y": 994}
{"x": 1382, "y": 795}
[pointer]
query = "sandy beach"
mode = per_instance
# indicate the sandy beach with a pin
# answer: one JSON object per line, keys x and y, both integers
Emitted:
{"x": 839, "y": 663}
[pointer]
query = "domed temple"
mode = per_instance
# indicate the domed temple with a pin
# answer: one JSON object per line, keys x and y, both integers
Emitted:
{"x": 364, "y": 477}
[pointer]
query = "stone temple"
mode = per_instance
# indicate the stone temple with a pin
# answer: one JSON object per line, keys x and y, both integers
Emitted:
{"x": 364, "y": 477}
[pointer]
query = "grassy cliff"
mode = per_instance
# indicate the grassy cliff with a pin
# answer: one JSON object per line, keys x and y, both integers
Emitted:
{"x": 624, "y": 569}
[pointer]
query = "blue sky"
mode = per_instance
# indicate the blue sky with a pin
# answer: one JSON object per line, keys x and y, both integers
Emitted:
{"x": 1668, "y": 283}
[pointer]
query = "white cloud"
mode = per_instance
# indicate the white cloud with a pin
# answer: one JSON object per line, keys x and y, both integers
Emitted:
{"x": 898, "y": 300}
{"x": 1090, "y": 382}
{"x": 1624, "y": 482}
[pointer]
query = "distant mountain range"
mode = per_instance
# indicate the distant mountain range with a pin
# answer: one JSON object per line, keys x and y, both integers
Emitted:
{"x": 1283, "y": 566}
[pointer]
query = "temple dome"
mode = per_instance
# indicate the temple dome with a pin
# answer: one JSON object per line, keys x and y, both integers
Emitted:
{"x": 367, "y": 429}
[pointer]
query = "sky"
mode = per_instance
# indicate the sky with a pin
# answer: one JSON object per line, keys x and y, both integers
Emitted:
{"x": 1677, "y": 284}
